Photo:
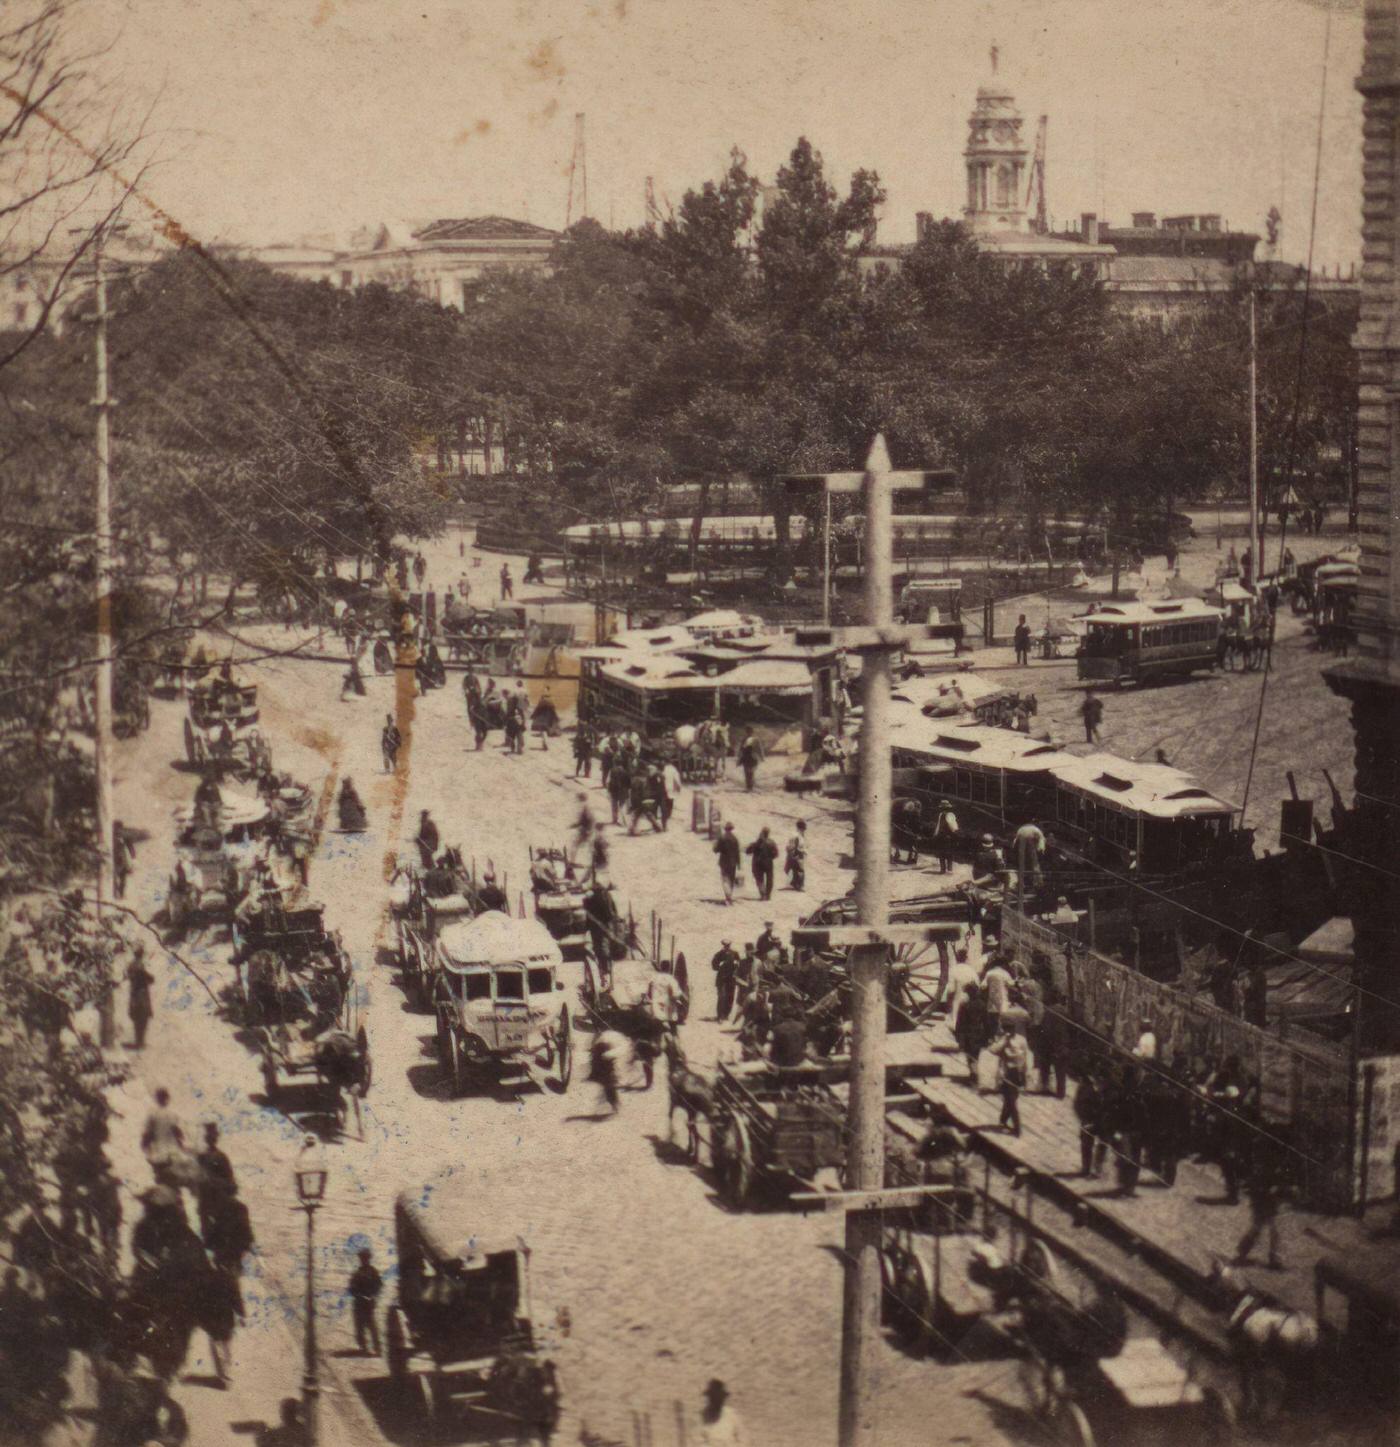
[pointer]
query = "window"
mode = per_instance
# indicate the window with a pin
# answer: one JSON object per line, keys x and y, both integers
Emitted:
{"x": 476, "y": 986}
{"x": 541, "y": 981}
{"x": 510, "y": 985}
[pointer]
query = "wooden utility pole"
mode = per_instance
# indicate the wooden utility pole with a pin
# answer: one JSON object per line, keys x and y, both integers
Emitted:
{"x": 103, "y": 652}
{"x": 870, "y": 938}
{"x": 1256, "y": 562}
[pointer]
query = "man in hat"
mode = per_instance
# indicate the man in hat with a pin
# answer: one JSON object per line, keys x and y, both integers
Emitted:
{"x": 491, "y": 895}
{"x": 600, "y": 910}
{"x": 768, "y": 942}
{"x": 763, "y": 853}
{"x": 426, "y": 839}
{"x": 390, "y": 742}
{"x": 720, "y": 1424}
{"x": 988, "y": 866}
{"x": 945, "y": 834}
{"x": 796, "y": 861}
{"x": 725, "y": 964}
{"x": 365, "y": 1285}
{"x": 163, "y": 1138}
{"x": 138, "y": 1000}
{"x": 727, "y": 850}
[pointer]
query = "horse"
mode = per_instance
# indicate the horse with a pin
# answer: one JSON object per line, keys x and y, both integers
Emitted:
{"x": 342, "y": 1061}
{"x": 688, "y": 1091}
{"x": 1276, "y": 1344}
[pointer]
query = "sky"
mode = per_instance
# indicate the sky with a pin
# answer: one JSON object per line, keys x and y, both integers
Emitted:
{"x": 274, "y": 119}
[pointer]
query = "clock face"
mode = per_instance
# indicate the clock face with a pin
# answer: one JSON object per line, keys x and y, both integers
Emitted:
{"x": 1006, "y": 131}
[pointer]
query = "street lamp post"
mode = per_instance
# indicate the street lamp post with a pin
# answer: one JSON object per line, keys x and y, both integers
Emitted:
{"x": 311, "y": 1189}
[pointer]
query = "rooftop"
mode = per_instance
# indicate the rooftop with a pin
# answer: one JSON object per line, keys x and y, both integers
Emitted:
{"x": 1156, "y": 789}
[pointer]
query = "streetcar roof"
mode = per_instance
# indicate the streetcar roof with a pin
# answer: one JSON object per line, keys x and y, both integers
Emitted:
{"x": 1172, "y": 610}
{"x": 496, "y": 938}
{"x": 1154, "y": 789}
{"x": 985, "y": 746}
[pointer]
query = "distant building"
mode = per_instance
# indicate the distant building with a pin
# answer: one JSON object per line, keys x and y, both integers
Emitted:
{"x": 51, "y": 281}
{"x": 445, "y": 261}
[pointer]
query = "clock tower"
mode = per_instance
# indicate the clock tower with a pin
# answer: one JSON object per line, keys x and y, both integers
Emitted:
{"x": 996, "y": 161}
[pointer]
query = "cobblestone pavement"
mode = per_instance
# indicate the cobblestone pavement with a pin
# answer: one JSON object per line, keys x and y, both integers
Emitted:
{"x": 663, "y": 1287}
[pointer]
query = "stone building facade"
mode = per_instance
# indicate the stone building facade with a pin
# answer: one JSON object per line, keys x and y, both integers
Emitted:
{"x": 1370, "y": 679}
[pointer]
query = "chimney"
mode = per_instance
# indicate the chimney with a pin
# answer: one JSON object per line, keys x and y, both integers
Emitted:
{"x": 1089, "y": 228}
{"x": 923, "y": 223}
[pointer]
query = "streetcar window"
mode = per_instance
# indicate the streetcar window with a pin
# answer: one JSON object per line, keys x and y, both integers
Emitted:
{"x": 477, "y": 987}
{"x": 541, "y": 982}
{"x": 510, "y": 985}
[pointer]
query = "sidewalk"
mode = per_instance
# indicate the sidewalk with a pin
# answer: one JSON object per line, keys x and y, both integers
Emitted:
{"x": 1181, "y": 1230}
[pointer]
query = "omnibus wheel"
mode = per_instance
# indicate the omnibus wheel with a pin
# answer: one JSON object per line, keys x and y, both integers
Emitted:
{"x": 565, "y": 1046}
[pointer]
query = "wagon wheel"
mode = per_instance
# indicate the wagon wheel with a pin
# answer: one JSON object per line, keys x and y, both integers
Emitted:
{"x": 191, "y": 752}
{"x": 459, "y": 1065}
{"x": 927, "y": 973}
{"x": 682, "y": 973}
{"x": 444, "y": 1037}
{"x": 269, "y": 1075}
{"x": 734, "y": 1160}
{"x": 565, "y": 1048}
{"x": 366, "y": 1063}
{"x": 1071, "y": 1426}
{"x": 590, "y": 982}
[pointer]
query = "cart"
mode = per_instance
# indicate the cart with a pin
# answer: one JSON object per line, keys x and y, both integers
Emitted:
{"x": 221, "y": 733}
{"x": 499, "y": 999}
{"x": 490, "y": 640}
{"x": 1140, "y": 1396}
{"x": 559, "y": 899}
{"x": 426, "y": 901}
{"x": 774, "y": 1130}
{"x": 463, "y": 1303}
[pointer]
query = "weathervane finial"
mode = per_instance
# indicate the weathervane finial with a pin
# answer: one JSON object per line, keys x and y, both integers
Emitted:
{"x": 996, "y": 52}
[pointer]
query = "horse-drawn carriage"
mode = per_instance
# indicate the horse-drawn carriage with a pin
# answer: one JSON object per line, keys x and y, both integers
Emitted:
{"x": 208, "y": 883}
{"x": 131, "y": 701}
{"x": 463, "y": 1302}
{"x": 424, "y": 903}
{"x": 559, "y": 899}
{"x": 499, "y": 997}
{"x": 489, "y": 640}
{"x": 297, "y": 986}
{"x": 221, "y": 732}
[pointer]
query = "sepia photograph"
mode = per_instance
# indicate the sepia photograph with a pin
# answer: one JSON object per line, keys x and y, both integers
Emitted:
{"x": 699, "y": 723}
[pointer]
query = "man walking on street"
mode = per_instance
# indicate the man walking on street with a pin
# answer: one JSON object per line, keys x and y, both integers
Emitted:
{"x": 725, "y": 964}
{"x": 1021, "y": 641}
{"x": 138, "y": 998}
{"x": 763, "y": 853}
{"x": 795, "y": 864}
{"x": 1092, "y": 712}
{"x": 726, "y": 847}
{"x": 750, "y": 754}
{"x": 507, "y": 587}
{"x": 670, "y": 790}
{"x": 583, "y": 752}
{"x": 390, "y": 742}
{"x": 365, "y": 1286}
{"x": 619, "y": 788}
{"x": 1011, "y": 1077}
{"x": 945, "y": 833}
{"x": 600, "y": 910}
{"x": 426, "y": 839}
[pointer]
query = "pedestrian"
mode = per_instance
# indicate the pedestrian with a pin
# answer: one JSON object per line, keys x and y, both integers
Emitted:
{"x": 216, "y": 1178}
{"x": 725, "y": 964}
{"x": 619, "y": 783}
{"x": 908, "y": 823}
{"x": 217, "y": 1304}
{"x": 972, "y": 1028}
{"x": 746, "y": 978}
{"x": 720, "y": 1424}
{"x": 123, "y": 856}
{"x": 1123, "y": 1125}
{"x": 795, "y": 860}
{"x": 997, "y": 980}
{"x": 768, "y": 944}
{"x": 584, "y": 826}
{"x": 227, "y": 1233}
{"x": 750, "y": 756}
{"x": 1053, "y": 1057}
{"x": 390, "y": 742}
{"x": 1088, "y": 1110}
{"x": 665, "y": 999}
{"x": 1264, "y": 1191}
{"x": 507, "y": 586}
{"x": 641, "y": 802}
{"x": 1010, "y": 1051}
{"x": 726, "y": 848}
{"x": 426, "y": 839}
{"x": 610, "y": 1052}
{"x": 671, "y": 784}
{"x": 945, "y": 835}
{"x": 1091, "y": 710}
{"x": 364, "y": 1287}
{"x": 138, "y": 997}
{"x": 583, "y": 752}
{"x": 490, "y": 895}
{"x": 1028, "y": 846}
{"x": 1021, "y": 641}
{"x": 763, "y": 853}
{"x": 600, "y": 910}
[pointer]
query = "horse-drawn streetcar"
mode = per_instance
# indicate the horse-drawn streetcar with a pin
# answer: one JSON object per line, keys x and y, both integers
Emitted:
{"x": 221, "y": 732}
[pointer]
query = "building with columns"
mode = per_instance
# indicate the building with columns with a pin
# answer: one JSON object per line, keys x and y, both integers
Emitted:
{"x": 1370, "y": 678}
